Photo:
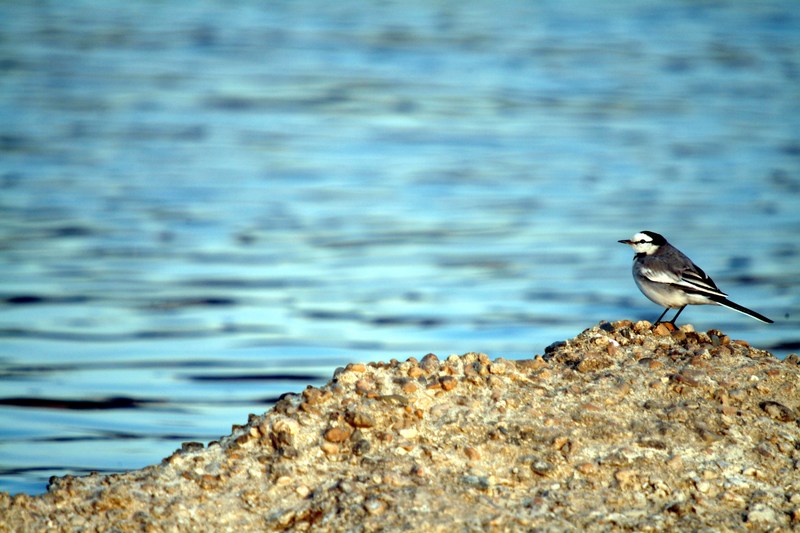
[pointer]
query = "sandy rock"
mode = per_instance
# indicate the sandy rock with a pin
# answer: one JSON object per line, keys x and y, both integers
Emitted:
{"x": 624, "y": 427}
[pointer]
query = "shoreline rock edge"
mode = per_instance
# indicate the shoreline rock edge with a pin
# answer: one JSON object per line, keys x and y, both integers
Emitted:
{"x": 626, "y": 426}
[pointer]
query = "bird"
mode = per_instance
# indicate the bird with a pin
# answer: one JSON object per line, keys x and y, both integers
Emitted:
{"x": 667, "y": 277}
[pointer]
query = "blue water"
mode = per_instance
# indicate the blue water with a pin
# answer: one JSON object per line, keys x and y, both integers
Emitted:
{"x": 204, "y": 205}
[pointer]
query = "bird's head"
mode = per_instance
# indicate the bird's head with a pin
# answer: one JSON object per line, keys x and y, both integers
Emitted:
{"x": 645, "y": 242}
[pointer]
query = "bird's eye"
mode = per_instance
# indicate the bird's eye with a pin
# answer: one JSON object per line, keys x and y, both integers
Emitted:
{"x": 641, "y": 241}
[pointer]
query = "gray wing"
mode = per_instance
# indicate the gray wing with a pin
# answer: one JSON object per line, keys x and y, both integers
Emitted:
{"x": 674, "y": 268}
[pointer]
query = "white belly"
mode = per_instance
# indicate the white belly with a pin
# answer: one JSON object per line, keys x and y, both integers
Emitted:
{"x": 667, "y": 296}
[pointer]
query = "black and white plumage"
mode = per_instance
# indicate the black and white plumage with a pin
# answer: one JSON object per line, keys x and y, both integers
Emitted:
{"x": 670, "y": 279}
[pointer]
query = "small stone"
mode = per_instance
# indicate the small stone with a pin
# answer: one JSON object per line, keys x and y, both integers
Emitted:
{"x": 593, "y": 362}
{"x": 537, "y": 363}
{"x": 479, "y": 482}
{"x": 330, "y": 448}
{"x": 359, "y": 419}
{"x": 498, "y": 367}
{"x": 541, "y": 467}
{"x": 336, "y": 434}
{"x": 681, "y": 508}
{"x": 364, "y": 387}
{"x": 415, "y": 372}
{"x": 429, "y": 363}
{"x": 752, "y": 471}
{"x": 448, "y": 382}
{"x": 394, "y": 399}
{"x": 375, "y": 506}
{"x": 778, "y": 411}
{"x": 625, "y": 477}
{"x": 356, "y": 367}
{"x": 313, "y": 395}
{"x": 661, "y": 330}
{"x": 702, "y": 486}
{"x": 410, "y": 387}
{"x": 654, "y": 364}
{"x": 472, "y": 454}
{"x": 191, "y": 446}
{"x": 760, "y": 514}
{"x": 361, "y": 446}
{"x": 409, "y": 433}
{"x": 392, "y": 479}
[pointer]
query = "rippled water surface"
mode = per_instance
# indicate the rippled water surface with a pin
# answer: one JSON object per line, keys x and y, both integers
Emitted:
{"x": 204, "y": 205}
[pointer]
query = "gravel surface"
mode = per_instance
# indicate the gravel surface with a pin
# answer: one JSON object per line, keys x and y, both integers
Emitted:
{"x": 625, "y": 427}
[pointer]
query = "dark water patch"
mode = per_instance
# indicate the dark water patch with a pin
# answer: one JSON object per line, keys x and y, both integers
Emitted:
{"x": 115, "y": 436}
{"x": 383, "y": 239}
{"x": 784, "y": 346}
{"x": 253, "y": 283}
{"x": 790, "y": 148}
{"x": 163, "y": 334}
{"x": 11, "y": 371}
{"x": 14, "y": 143}
{"x": 21, "y": 471}
{"x": 748, "y": 279}
{"x": 70, "y": 231}
{"x": 508, "y": 319}
{"x": 421, "y": 322}
{"x": 180, "y": 303}
{"x": 332, "y": 315}
{"x": 31, "y": 299}
{"x": 114, "y": 402}
{"x": 69, "y": 336}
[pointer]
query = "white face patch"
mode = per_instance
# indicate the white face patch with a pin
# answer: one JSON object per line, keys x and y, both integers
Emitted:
{"x": 643, "y": 244}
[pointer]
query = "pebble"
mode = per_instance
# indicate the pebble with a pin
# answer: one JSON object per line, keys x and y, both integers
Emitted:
{"x": 356, "y": 367}
{"x": 408, "y": 433}
{"x": 625, "y": 477}
{"x": 330, "y": 448}
{"x": 429, "y": 363}
{"x": 359, "y": 419}
{"x": 375, "y": 506}
{"x": 760, "y": 514}
{"x": 472, "y": 454}
{"x": 662, "y": 330}
{"x": 778, "y": 411}
{"x": 593, "y": 363}
{"x": 336, "y": 434}
{"x": 497, "y": 367}
{"x": 410, "y": 387}
{"x": 541, "y": 467}
{"x": 415, "y": 372}
{"x": 448, "y": 383}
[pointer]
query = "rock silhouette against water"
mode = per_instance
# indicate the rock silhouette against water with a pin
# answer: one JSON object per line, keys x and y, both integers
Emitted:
{"x": 625, "y": 426}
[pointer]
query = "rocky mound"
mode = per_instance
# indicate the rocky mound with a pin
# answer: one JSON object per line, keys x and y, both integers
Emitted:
{"x": 624, "y": 427}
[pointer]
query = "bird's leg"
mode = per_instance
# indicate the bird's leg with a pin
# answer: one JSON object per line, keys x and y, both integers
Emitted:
{"x": 676, "y": 315}
{"x": 662, "y": 316}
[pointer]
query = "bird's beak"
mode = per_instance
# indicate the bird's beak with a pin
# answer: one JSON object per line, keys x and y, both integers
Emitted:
{"x": 626, "y": 241}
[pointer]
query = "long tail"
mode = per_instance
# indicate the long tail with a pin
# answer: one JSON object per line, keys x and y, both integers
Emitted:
{"x": 745, "y": 311}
